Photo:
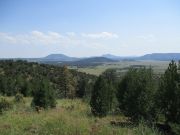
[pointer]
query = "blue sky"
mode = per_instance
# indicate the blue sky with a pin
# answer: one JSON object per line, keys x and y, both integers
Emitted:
{"x": 36, "y": 28}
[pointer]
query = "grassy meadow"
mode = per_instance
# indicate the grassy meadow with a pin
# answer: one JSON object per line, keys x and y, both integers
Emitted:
{"x": 70, "y": 117}
{"x": 158, "y": 66}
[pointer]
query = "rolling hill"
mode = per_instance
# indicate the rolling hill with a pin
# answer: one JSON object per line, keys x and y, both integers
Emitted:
{"x": 153, "y": 56}
{"x": 114, "y": 57}
{"x": 59, "y": 57}
{"x": 160, "y": 56}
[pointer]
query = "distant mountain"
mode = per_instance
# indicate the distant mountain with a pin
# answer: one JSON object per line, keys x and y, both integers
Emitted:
{"x": 161, "y": 56}
{"x": 110, "y": 56}
{"x": 114, "y": 57}
{"x": 59, "y": 57}
{"x": 153, "y": 56}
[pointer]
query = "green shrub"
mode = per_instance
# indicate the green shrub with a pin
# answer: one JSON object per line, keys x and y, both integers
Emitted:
{"x": 102, "y": 97}
{"x": 44, "y": 96}
{"x": 175, "y": 128}
{"x": 136, "y": 94}
{"x": 4, "y": 105}
{"x": 19, "y": 98}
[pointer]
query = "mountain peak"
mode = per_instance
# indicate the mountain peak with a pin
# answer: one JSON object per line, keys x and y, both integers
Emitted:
{"x": 110, "y": 56}
{"x": 59, "y": 57}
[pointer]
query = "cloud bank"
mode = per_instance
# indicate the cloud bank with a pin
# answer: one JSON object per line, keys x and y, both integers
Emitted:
{"x": 104, "y": 35}
{"x": 49, "y": 38}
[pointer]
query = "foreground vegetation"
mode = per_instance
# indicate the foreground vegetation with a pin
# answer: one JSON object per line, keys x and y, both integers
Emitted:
{"x": 70, "y": 117}
{"x": 137, "y": 101}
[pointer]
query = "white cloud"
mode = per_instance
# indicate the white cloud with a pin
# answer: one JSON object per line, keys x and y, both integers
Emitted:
{"x": 34, "y": 37}
{"x": 50, "y": 38}
{"x": 46, "y": 38}
{"x": 103, "y": 35}
{"x": 69, "y": 43}
{"x": 6, "y": 37}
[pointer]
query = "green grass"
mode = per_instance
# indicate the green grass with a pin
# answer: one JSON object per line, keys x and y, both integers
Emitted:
{"x": 158, "y": 66}
{"x": 71, "y": 117}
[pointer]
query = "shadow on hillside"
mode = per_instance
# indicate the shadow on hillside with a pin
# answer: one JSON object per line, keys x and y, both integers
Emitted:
{"x": 123, "y": 124}
{"x": 162, "y": 128}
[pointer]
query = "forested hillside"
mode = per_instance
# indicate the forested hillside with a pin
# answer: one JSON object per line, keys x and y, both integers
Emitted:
{"x": 25, "y": 77}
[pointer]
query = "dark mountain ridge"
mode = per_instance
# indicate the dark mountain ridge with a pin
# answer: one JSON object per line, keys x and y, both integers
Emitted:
{"x": 153, "y": 56}
{"x": 64, "y": 59}
{"x": 160, "y": 56}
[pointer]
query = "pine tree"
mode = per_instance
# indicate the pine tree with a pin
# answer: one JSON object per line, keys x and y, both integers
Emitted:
{"x": 3, "y": 85}
{"x": 82, "y": 84}
{"x": 44, "y": 96}
{"x": 101, "y": 97}
{"x": 168, "y": 96}
{"x": 136, "y": 94}
{"x": 68, "y": 83}
{"x": 111, "y": 76}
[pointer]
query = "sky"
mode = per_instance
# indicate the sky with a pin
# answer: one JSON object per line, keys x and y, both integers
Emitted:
{"x": 36, "y": 28}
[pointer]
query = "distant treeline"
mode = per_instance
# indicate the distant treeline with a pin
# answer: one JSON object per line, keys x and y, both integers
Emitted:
{"x": 17, "y": 76}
